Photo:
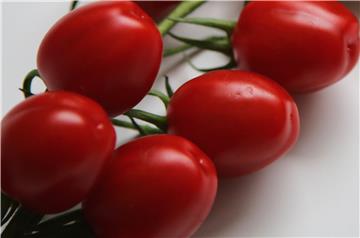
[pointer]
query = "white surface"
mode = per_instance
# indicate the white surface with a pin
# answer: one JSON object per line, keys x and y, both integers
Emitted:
{"x": 312, "y": 191}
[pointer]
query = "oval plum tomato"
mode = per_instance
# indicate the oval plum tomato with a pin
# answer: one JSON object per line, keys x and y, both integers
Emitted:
{"x": 158, "y": 9}
{"x": 109, "y": 51}
{"x": 54, "y": 146}
{"x": 304, "y": 46}
{"x": 154, "y": 186}
{"x": 241, "y": 120}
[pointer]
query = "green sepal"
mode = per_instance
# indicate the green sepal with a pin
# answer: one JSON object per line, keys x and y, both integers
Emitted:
{"x": 225, "y": 25}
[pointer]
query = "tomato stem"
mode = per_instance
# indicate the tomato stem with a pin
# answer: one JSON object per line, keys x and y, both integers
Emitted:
{"x": 21, "y": 221}
{"x": 186, "y": 46}
{"x": 182, "y": 10}
{"x": 158, "y": 121}
{"x": 230, "y": 65}
{"x": 73, "y": 5}
{"x": 164, "y": 98}
{"x": 225, "y": 25}
{"x": 219, "y": 44}
{"x": 146, "y": 129}
{"x": 176, "y": 50}
{"x": 168, "y": 87}
{"x": 26, "y": 87}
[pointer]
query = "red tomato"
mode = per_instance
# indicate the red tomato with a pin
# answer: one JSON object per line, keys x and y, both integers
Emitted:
{"x": 53, "y": 148}
{"x": 155, "y": 186}
{"x": 305, "y": 46}
{"x": 108, "y": 51}
{"x": 243, "y": 121}
{"x": 158, "y": 10}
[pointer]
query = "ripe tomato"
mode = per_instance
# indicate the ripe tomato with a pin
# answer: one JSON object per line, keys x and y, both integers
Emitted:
{"x": 155, "y": 186}
{"x": 53, "y": 148}
{"x": 241, "y": 120}
{"x": 109, "y": 51}
{"x": 305, "y": 46}
{"x": 158, "y": 9}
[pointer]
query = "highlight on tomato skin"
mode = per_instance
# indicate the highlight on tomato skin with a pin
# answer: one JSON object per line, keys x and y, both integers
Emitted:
{"x": 303, "y": 45}
{"x": 243, "y": 121}
{"x": 154, "y": 186}
{"x": 99, "y": 50}
{"x": 53, "y": 148}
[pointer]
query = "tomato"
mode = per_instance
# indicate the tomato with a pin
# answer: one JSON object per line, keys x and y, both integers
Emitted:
{"x": 305, "y": 46}
{"x": 158, "y": 10}
{"x": 154, "y": 186}
{"x": 109, "y": 51}
{"x": 241, "y": 120}
{"x": 53, "y": 148}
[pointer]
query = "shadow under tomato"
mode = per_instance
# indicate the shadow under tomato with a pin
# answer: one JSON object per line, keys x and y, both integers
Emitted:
{"x": 234, "y": 202}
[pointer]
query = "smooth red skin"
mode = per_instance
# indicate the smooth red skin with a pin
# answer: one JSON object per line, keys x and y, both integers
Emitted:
{"x": 108, "y": 51}
{"x": 155, "y": 186}
{"x": 53, "y": 148}
{"x": 305, "y": 46}
{"x": 241, "y": 120}
{"x": 158, "y": 10}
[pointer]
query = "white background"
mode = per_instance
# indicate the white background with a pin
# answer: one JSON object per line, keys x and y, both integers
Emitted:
{"x": 312, "y": 191}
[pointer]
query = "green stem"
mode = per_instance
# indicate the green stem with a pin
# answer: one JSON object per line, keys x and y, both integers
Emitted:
{"x": 137, "y": 126}
{"x": 230, "y": 65}
{"x": 176, "y": 50}
{"x": 158, "y": 121}
{"x": 22, "y": 221}
{"x": 164, "y": 98}
{"x": 219, "y": 44}
{"x": 182, "y": 10}
{"x": 146, "y": 129}
{"x": 186, "y": 46}
{"x": 26, "y": 87}
{"x": 73, "y": 5}
{"x": 169, "y": 90}
{"x": 225, "y": 25}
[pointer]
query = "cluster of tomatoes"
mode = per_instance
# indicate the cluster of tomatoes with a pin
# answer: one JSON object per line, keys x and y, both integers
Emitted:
{"x": 101, "y": 59}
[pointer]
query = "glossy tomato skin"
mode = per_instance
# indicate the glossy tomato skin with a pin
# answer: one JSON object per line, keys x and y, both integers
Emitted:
{"x": 155, "y": 186}
{"x": 241, "y": 120}
{"x": 305, "y": 46}
{"x": 53, "y": 148}
{"x": 109, "y": 51}
{"x": 158, "y": 10}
